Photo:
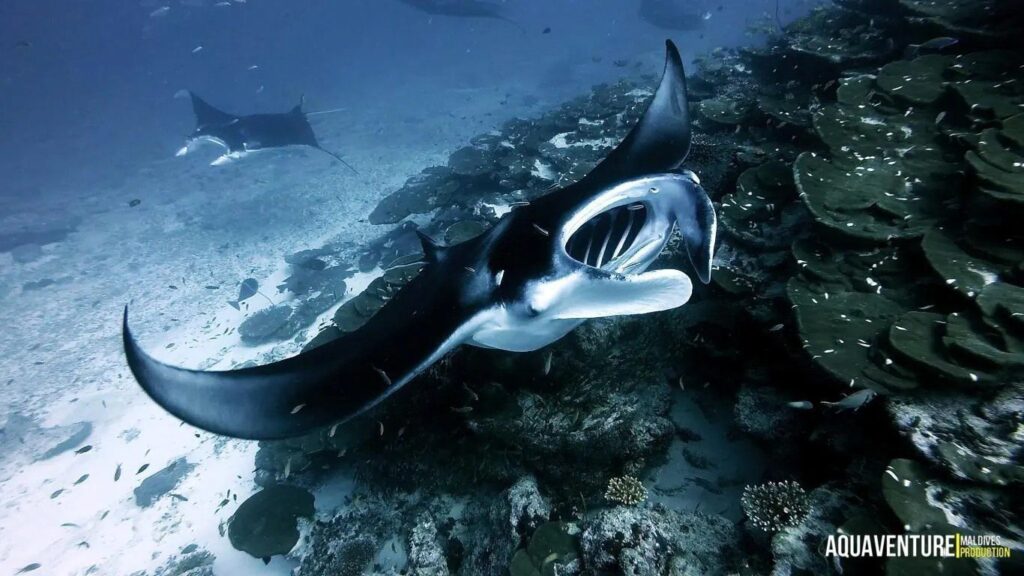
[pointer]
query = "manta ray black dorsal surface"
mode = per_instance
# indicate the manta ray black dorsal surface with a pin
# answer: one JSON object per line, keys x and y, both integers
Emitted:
{"x": 660, "y": 141}
{"x": 579, "y": 252}
{"x": 241, "y": 135}
{"x": 207, "y": 115}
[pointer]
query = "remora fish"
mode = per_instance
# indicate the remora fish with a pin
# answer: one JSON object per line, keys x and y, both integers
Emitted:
{"x": 576, "y": 253}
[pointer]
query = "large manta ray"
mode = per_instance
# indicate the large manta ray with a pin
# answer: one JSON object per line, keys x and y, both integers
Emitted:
{"x": 579, "y": 252}
{"x": 671, "y": 14}
{"x": 463, "y": 9}
{"x": 241, "y": 135}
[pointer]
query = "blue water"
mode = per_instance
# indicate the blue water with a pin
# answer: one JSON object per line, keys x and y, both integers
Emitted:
{"x": 92, "y": 95}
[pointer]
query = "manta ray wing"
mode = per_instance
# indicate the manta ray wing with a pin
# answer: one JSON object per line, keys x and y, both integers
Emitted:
{"x": 328, "y": 384}
{"x": 660, "y": 140}
{"x": 208, "y": 115}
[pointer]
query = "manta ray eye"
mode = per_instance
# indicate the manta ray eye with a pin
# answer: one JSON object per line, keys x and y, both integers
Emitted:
{"x": 608, "y": 235}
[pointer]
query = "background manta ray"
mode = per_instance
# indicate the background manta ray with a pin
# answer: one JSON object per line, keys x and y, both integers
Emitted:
{"x": 240, "y": 135}
{"x": 463, "y": 9}
{"x": 672, "y": 14}
{"x": 579, "y": 252}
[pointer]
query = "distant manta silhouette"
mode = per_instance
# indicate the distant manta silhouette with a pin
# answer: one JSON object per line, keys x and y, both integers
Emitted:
{"x": 463, "y": 9}
{"x": 241, "y": 135}
{"x": 671, "y": 15}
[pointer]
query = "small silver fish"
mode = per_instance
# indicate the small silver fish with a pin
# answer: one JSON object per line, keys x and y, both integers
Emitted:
{"x": 939, "y": 43}
{"x": 929, "y": 47}
{"x": 854, "y": 401}
{"x": 800, "y": 405}
{"x": 384, "y": 376}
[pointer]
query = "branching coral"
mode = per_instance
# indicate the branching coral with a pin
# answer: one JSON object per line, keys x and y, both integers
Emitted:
{"x": 775, "y": 505}
{"x": 626, "y": 490}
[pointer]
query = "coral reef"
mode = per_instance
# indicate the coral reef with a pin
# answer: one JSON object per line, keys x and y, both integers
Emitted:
{"x": 266, "y": 523}
{"x": 649, "y": 541}
{"x": 625, "y": 490}
{"x": 775, "y": 505}
{"x": 552, "y": 550}
{"x": 795, "y": 548}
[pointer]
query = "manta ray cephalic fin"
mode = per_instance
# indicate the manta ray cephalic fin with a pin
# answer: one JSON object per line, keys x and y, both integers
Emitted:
{"x": 598, "y": 294}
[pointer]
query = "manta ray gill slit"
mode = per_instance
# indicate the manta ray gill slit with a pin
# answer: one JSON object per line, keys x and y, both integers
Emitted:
{"x": 608, "y": 235}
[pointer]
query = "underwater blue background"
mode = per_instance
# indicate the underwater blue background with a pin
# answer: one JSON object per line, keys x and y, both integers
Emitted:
{"x": 92, "y": 95}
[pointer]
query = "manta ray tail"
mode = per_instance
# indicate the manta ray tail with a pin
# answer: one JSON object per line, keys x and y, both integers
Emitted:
{"x": 297, "y": 110}
{"x": 338, "y": 158}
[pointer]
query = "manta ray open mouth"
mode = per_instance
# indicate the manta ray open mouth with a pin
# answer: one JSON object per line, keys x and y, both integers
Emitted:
{"x": 607, "y": 236}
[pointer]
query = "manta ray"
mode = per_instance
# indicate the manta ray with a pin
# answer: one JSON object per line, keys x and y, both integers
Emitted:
{"x": 579, "y": 252}
{"x": 671, "y": 14}
{"x": 463, "y": 9}
{"x": 242, "y": 135}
